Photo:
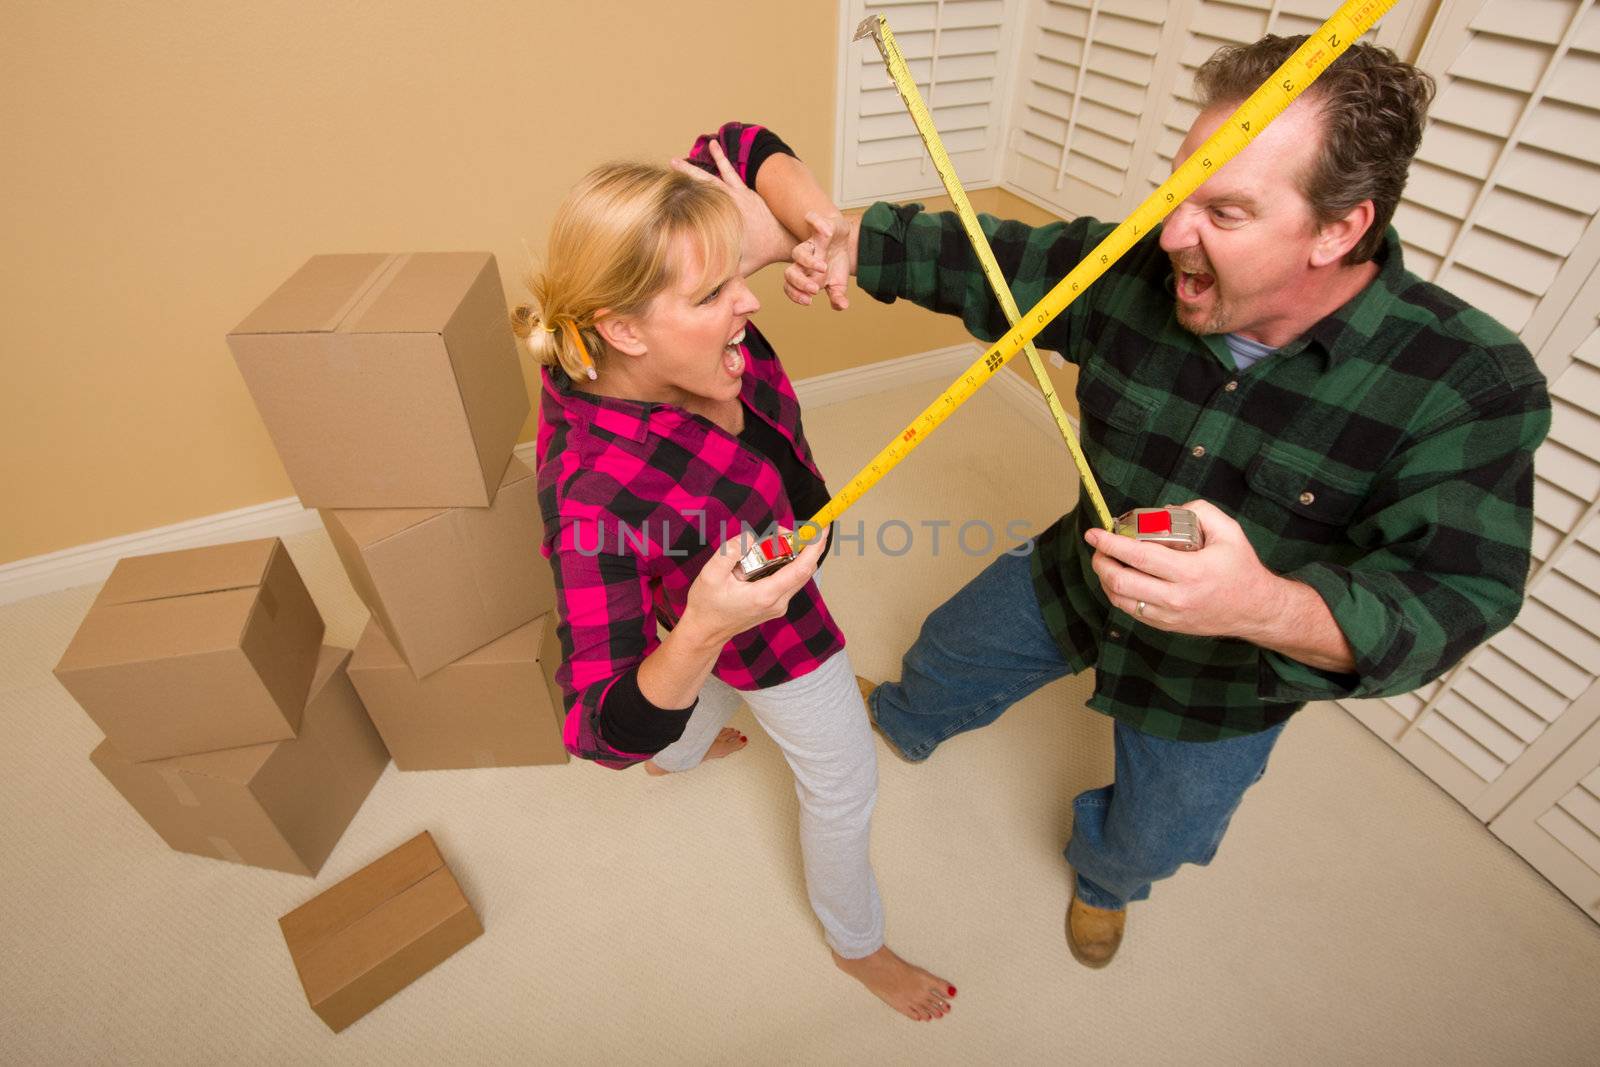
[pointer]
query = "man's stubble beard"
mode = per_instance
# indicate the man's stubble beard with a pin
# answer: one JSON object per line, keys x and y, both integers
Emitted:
{"x": 1217, "y": 322}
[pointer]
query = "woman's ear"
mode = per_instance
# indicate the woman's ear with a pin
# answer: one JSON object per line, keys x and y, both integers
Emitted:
{"x": 621, "y": 332}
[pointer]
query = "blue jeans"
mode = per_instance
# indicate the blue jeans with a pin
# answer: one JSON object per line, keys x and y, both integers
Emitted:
{"x": 986, "y": 648}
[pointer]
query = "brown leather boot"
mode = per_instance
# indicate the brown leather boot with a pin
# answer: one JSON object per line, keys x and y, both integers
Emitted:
{"x": 1093, "y": 934}
{"x": 866, "y": 688}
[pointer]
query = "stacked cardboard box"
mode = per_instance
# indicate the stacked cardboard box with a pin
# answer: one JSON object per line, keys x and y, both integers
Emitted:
{"x": 393, "y": 392}
{"x": 229, "y": 725}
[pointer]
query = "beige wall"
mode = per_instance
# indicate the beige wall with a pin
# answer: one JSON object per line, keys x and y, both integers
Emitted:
{"x": 166, "y": 165}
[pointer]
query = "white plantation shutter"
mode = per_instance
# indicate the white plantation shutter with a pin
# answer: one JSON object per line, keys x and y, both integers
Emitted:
{"x": 1083, "y": 113}
{"x": 1502, "y": 202}
{"x": 1491, "y": 726}
{"x": 958, "y": 52}
{"x": 1555, "y": 823}
{"x": 1209, "y": 24}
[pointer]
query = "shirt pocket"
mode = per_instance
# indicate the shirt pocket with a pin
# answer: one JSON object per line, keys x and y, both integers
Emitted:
{"x": 1116, "y": 417}
{"x": 1302, "y": 504}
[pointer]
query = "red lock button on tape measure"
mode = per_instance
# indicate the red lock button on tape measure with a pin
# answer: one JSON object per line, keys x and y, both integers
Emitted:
{"x": 1174, "y": 527}
{"x": 765, "y": 558}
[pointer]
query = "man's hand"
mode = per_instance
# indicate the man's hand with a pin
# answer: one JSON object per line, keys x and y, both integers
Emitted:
{"x": 765, "y": 240}
{"x": 823, "y": 261}
{"x": 1222, "y": 590}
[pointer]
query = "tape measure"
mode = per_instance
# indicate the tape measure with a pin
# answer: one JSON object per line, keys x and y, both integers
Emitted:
{"x": 877, "y": 28}
{"x": 1298, "y": 72}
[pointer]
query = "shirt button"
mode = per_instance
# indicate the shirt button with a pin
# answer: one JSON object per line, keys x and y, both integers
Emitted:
{"x": 1197, "y": 451}
{"x": 1307, "y": 497}
{"x": 1230, "y": 387}
{"x": 1115, "y": 635}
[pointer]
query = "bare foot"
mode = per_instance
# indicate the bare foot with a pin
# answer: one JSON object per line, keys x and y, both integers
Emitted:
{"x": 728, "y": 742}
{"x": 909, "y": 990}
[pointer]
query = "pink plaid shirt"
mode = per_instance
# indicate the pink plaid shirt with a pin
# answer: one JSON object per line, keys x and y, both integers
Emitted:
{"x": 636, "y": 498}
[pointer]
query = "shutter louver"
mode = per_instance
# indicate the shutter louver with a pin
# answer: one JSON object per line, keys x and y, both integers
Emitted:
{"x": 1089, "y": 69}
{"x": 1508, "y": 176}
{"x": 955, "y": 52}
{"x": 1555, "y": 822}
{"x": 1515, "y": 692}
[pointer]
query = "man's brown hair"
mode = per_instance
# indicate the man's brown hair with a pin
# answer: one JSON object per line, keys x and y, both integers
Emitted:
{"x": 1373, "y": 108}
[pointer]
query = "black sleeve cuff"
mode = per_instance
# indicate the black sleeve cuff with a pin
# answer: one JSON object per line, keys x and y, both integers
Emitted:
{"x": 766, "y": 145}
{"x": 630, "y": 723}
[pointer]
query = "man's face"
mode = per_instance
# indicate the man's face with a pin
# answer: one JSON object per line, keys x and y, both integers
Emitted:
{"x": 1241, "y": 244}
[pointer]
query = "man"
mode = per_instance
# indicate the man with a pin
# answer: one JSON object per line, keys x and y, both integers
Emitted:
{"x": 1357, "y": 445}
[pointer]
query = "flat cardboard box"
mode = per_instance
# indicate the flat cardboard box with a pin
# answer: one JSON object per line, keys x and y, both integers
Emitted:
{"x": 365, "y": 939}
{"x": 196, "y": 650}
{"x": 443, "y": 582}
{"x": 387, "y": 380}
{"x": 496, "y": 707}
{"x": 282, "y": 805}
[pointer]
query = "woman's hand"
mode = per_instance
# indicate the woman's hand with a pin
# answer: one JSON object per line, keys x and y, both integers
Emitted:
{"x": 822, "y": 261}
{"x": 722, "y": 605}
{"x": 765, "y": 240}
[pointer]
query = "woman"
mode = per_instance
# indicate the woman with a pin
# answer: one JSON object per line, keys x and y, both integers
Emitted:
{"x": 667, "y": 427}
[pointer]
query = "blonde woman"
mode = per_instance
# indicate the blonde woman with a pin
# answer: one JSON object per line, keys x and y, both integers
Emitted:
{"x": 668, "y": 427}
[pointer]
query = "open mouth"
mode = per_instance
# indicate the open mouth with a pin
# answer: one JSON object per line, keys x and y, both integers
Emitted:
{"x": 1191, "y": 284}
{"x": 732, "y": 358}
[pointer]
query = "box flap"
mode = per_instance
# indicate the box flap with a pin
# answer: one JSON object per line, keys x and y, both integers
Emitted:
{"x": 161, "y": 629}
{"x": 368, "y": 526}
{"x": 189, "y": 571}
{"x": 320, "y": 918}
{"x": 420, "y": 296}
{"x": 318, "y": 296}
{"x": 240, "y": 765}
{"x": 373, "y": 942}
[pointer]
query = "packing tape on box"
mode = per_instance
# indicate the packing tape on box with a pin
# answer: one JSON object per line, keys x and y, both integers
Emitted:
{"x": 358, "y": 304}
{"x": 373, "y": 284}
{"x": 180, "y": 788}
{"x": 225, "y": 849}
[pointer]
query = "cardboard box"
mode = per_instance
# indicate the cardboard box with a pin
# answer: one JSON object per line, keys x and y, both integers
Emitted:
{"x": 376, "y": 932}
{"x": 496, "y": 707}
{"x": 282, "y": 805}
{"x": 442, "y": 582}
{"x": 197, "y": 650}
{"x": 387, "y": 381}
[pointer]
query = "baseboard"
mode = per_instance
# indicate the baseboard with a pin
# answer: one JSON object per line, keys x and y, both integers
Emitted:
{"x": 91, "y": 563}
{"x": 941, "y": 364}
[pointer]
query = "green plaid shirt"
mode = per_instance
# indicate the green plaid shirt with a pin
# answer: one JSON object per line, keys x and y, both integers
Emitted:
{"x": 1385, "y": 459}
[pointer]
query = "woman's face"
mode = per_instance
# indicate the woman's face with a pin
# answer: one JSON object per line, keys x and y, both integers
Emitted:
{"x": 693, "y": 329}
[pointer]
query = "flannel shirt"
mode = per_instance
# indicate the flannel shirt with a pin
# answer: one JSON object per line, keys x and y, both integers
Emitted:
{"x": 636, "y": 497}
{"x": 1384, "y": 458}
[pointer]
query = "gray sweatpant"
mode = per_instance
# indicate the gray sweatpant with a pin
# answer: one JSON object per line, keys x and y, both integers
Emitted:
{"x": 820, "y": 723}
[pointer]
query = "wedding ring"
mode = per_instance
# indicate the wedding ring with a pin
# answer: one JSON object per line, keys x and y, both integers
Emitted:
{"x": 1138, "y": 609}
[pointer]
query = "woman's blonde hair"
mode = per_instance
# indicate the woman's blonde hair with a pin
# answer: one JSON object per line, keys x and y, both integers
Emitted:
{"x": 611, "y": 250}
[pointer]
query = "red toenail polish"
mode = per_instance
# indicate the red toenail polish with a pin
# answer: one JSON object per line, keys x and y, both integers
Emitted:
{"x": 952, "y": 991}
